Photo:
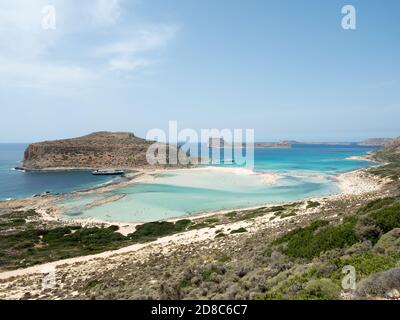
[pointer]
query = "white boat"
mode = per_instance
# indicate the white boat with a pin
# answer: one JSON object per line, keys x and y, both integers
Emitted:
{"x": 108, "y": 172}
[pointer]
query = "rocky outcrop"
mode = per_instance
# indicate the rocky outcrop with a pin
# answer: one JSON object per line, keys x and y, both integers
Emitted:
{"x": 220, "y": 143}
{"x": 390, "y": 152}
{"x": 375, "y": 142}
{"x": 96, "y": 150}
{"x": 273, "y": 145}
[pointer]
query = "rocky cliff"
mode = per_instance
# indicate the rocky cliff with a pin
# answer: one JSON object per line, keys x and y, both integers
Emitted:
{"x": 97, "y": 150}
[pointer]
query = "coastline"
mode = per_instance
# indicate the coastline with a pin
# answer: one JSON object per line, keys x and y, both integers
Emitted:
{"x": 356, "y": 182}
{"x": 356, "y": 186}
{"x": 349, "y": 183}
{"x": 353, "y": 184}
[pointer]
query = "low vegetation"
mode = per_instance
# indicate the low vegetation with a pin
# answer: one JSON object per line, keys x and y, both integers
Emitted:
{"x": 24, "y": 241}
{"x": 153, "y": 230}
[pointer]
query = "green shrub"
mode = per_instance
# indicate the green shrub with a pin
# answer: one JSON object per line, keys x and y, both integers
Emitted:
{"x": 113, "y": 228}
{"x": 251, "y": 215}
{"x": 301, "y": 232}
{"x": 311, "y": 241}
{"x": 312, "y": 204}
{"x": 206, "y": 274}
{"x": 389, "y": 243}
{"x": 366, "y": 264}
{"x": 152, "y": 230}
{"x": 184, "y": 283}
{"x": 211, "y": 220}
{"x": 33, "y": 246}
{"x": 220, "y": 235}
{"x": 181, "y": 225}
{"x": 276, "y": 208}
{"x": 231, "y": 215}
{"x": 376, "y": 204}
{"x": 224, "y": 258}
{"x": 18, "y": 221}
{"x": 387, "y": 218}
{"x": 380, "y": 283}
{"x": 321, "y": 289}
{"x": 366, "y": 228}
{"x": 240, "y": 230}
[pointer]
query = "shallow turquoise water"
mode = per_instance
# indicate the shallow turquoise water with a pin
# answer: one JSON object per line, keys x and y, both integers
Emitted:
{"x": 174, "y": 197}
{"x": 305, "y": 171}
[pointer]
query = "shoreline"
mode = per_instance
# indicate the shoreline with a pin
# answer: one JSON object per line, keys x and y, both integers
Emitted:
{"x": 348, "y": 183}
{"x": 356, "y": 182}
{"x": 353, "y": 184}
{"x": 170, "y": 243}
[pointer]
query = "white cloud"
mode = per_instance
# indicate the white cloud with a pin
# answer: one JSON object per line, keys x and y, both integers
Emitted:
{"x": 50, "y": 78}
{"x": 144, "y": 40}
{"x": 127, "y": 54}
{"x": 31, "y": 57}
{"x": 107, "y": 11}
{"x": 20, "y": 28}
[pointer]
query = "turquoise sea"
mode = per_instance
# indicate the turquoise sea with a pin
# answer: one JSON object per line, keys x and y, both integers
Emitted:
{"x": 304, "y": 171}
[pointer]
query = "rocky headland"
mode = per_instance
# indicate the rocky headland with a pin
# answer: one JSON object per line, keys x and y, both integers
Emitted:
{"x": 102, "y": 150}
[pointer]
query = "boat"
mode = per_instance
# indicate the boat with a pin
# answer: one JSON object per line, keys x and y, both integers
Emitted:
{"x": 108, "y": 172}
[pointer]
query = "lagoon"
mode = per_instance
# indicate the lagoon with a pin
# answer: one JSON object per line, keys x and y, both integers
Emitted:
{"x": 303, "y": 171}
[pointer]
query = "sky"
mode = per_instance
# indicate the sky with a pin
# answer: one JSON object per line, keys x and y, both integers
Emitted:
{"x": 286, "y": 68}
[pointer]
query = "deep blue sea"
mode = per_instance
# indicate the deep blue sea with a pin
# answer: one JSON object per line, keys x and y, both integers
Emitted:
{"x": 16, "y": 184}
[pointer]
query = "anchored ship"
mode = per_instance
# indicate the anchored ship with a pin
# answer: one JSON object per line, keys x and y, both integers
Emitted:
{"x": 108, "y": 172}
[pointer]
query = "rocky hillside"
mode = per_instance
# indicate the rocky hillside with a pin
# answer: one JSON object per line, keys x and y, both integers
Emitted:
{"x": 273, "y": 145}
{"x": 375, "y": 142}
{"x": 96, "y": 150}
{"x": 390, "y": 152}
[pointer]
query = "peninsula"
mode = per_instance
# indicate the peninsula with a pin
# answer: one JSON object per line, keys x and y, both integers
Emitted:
{"x": 104, "y": 150}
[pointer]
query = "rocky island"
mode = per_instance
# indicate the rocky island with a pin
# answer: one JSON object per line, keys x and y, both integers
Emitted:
{"x": 97, "y": 150}
{"x": 219, "y": 143}
{"x": 273, "y": 145}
